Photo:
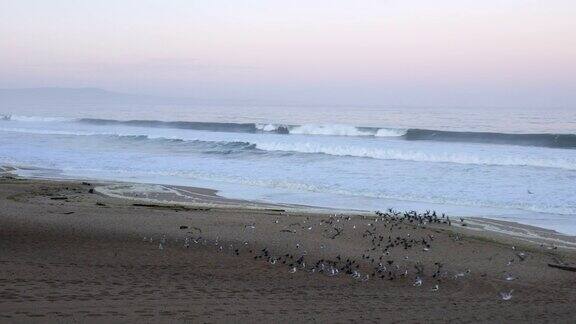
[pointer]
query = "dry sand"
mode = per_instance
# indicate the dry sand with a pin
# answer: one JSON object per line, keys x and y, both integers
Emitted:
{"x": 68, "y": 255}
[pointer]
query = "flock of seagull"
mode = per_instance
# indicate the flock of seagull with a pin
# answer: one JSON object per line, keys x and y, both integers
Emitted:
{"x": 375, "y": 262}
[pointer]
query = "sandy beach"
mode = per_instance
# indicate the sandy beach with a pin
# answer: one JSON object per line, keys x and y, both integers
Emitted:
{"x": 69, "y": 253}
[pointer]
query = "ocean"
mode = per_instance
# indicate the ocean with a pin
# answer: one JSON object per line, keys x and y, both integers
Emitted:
{"x": 511, "y": 164}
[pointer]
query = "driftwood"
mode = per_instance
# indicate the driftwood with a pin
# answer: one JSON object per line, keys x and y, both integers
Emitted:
{"x": 171, "y": 207}
{"x": 275, "y": 210}
{"x": 562, "y": 267}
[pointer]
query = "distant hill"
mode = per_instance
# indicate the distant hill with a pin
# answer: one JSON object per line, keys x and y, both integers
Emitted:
{"x": 40, "y": 96}
{"x": 93, "y": 96}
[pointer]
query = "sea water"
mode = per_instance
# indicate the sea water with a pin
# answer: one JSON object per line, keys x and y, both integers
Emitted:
{"x": 511, "y": 164}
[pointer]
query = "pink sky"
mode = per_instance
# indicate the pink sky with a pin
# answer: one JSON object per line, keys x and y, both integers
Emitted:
{"x": 512, "y": 52}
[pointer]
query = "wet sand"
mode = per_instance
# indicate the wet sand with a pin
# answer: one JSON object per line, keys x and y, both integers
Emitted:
{"x": 69, "y": 255}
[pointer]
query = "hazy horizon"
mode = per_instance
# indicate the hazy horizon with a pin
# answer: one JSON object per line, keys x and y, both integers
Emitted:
{"x": 456, "y": 53}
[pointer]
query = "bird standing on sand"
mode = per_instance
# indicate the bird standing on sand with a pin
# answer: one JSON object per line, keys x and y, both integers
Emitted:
{"x": 506, "y": 295}
{"x": 418, "y": 282}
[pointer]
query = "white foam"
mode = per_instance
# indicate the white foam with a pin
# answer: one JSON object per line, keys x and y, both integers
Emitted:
{"x": 267, "y": 127}
{"x": 418, "y": 156}
{"x": 36, "y": 119}
{"x": 334, "y": 130}
{"x": 389, "y": 132}
{"x": 45, "y": 131}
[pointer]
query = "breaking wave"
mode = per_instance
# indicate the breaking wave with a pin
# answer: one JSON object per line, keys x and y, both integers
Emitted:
{"x": 35, "y": 118}
{"x": 564, "y": 141}
{"x": 420, "y": 156}
{"x": 360, "y": 151}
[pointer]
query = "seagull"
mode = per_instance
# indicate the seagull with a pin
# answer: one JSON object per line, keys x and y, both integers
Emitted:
{"x": 509, "y": 277}
{"x": 436, "y": 288}
{"x": 459, "y": 275}
{"x": 522, "y": 256}
{"x": 506, "y": 295}
{"x": 333, "y": 272}
{"x": 418, "y": 282}
{"x": 293, "y": 270}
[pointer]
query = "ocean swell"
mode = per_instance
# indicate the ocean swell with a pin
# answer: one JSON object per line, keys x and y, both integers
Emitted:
{"x": 562, "y": 141}
{"x": 418, "y": 156}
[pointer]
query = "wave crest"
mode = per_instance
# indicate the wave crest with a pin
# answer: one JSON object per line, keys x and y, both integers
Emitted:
{"x": 564, "y": 141}
{"x": 35, "y": 119}
{"x": 418, "y": 156}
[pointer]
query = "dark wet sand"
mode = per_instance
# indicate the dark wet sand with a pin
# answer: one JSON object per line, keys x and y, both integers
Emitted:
{"x": 71, "y": 256}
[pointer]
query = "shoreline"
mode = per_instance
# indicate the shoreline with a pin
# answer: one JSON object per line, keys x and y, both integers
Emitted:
{"x": 73, "y": 254}
{"x": 209, "y": 198}
{"x": 198, "y": 196}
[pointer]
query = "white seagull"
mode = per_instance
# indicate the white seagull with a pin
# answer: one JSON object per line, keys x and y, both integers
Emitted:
{"x": 418, "y": 282}
{"x": 506, "y": 295}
